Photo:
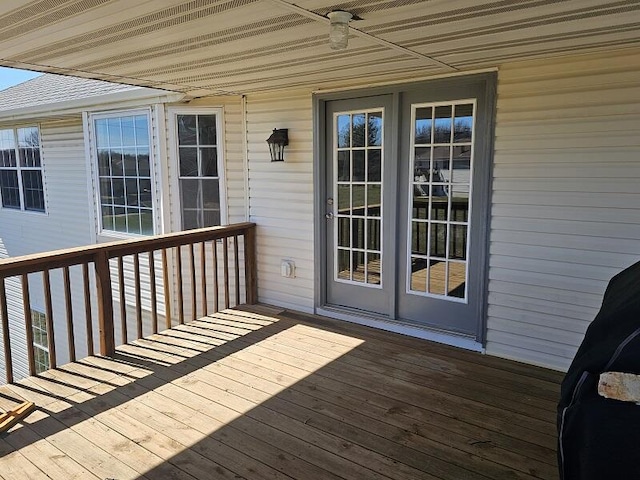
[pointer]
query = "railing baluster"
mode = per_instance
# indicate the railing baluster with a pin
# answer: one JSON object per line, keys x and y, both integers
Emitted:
{"x": 105, "y": 303}
{"x": 236, "y": 265}
{"x": 154, "y": 295}
{"x": 4, "y": 313}
{"x": 69, "y": 311}
{"x": 28, "y": 323}
{"x": 87, "y": 308}
{"x": 46, "y": 281}
{"x": 192, "y": 271}
{"x": 250, "y": 266}
{"x": 123, "y": 302}
{"x": 216, "y": 287}
{"x": 136, "y": 281}
{"x": 203, "y": 279}
{"x": 166, "y": 286}
{"x": 179, "y": 275}
{"x": 225, "y": 259}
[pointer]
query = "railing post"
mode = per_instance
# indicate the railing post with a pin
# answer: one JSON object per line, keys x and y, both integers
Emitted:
{"x": 4, "y": 313}
{"x": 105, "y": 304}
{"x": 250, "y": 266}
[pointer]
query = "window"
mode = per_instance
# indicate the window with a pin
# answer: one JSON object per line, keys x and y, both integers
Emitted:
{"x": 40, "y": 341}
{"x": 122, "y": 149}
{"x": 21, "y": 185}
{"x": 199, "y": 173}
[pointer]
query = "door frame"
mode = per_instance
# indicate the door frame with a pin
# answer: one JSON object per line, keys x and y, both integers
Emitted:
{"x": 484, "y": 181}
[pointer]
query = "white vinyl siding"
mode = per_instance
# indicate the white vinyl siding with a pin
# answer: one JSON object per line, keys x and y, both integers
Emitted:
{"x": 281, "y": 196}
{"x": 566, "y": 201}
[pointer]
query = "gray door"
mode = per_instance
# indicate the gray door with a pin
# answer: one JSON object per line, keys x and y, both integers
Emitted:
{"x": 408, "y": 201}
{"x": 359, "y": 210}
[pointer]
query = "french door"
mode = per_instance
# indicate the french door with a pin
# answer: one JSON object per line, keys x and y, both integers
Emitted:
{"x": 406, "y": 202}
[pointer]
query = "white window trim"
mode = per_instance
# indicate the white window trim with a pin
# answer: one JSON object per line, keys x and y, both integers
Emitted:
{"x": 91, "y": 144}
{"x": 22, "y": 208}
{"x": 174, "y": 166}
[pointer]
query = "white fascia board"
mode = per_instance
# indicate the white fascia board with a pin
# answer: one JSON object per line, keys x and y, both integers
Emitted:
{"x": 123, "y": 99}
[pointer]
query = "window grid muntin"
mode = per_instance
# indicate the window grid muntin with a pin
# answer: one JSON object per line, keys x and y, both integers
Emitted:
{"x": 366, "y": 148}
{"x": 41, "y": 347}
{"x": 14, "y": 152}
{"x": 114, "y": 143}
{"x": 430, "y": 183}
{"x": 201, "y": 179}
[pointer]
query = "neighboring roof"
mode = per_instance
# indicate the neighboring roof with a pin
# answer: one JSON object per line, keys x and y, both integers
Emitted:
{"x": 50, "y": 94}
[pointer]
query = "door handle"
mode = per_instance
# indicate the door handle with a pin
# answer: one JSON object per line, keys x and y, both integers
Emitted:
{"x": 329, "y": 215}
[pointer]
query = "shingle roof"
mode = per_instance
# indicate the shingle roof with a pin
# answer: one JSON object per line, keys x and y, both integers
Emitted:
{"x": 50, "y": 89}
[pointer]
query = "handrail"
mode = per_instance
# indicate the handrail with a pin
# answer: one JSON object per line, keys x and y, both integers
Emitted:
{"x": 224, "y": 238}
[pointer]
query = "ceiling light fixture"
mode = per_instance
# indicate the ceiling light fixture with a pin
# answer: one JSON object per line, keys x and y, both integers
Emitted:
{"x": 339, "y": 30}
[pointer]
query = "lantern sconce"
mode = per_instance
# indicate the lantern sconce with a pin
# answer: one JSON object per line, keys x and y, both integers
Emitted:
{"x": 339, "y": 29}
{"x": 277, "y": 141}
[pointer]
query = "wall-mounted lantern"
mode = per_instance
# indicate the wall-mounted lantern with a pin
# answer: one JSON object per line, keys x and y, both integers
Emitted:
{"x": 277, "y": 141}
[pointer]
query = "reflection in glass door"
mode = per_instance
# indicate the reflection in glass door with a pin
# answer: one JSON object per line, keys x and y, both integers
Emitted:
{"x": 441, "y": 166}
{"x": 358, "y": 165}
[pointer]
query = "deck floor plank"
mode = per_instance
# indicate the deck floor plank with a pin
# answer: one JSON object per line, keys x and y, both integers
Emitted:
{"x": 265, "y": 393}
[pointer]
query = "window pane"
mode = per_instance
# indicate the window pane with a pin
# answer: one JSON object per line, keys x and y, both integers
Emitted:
{"x": 115, "y": 135}
{"x": 423, "y": 125}
{"x": 106, "y": 194}
{"x": 209, "y": 162}
{"x": 374, "y": 133}
{"x": 358, "y": 132}
{"x": 211, "y": 218}
{"x": 33, "y": 190}
{"x": 9, "y": 189}
{"x": 344, "y": 132}
{"x": 117, "y": 164}
{"x": 142, "y": 130}
{"x": 191, "y": 194}
{"x": 103, "y": 163}
{"x": 188, "y": 162}
{"x": 146, "y": 198}
{"x": 442, "y": 129}
{"x": 187, "y": 130}
{"x": 374, "y": 167}
{"x": 210, "y": 194}
{"x": 128, "y": 131}
{"x": 102, "y": 133}
{"x": 131, "y": 185}
{"x": 358, "y": 166}
{"x": 118, "y": 192}
{"x": 107, "y": 218}
{"x": 144, "y": 169}
{"x": 206, "y": 129}
{"x": 133, "y": 220}
{"x": 146, "y": 221}
{"x": 343, "y": 166}
{"x": 130, "y": 164}
{"x": 463, "y": 123}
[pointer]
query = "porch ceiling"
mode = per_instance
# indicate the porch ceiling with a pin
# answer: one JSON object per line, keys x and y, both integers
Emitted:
{"x": 205, "y": 47}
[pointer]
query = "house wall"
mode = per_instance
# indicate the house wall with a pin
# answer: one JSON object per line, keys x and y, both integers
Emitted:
{"x": 565, "y": 203}
{"x": 281, "y": 197}
{"x": 566, "y": 200}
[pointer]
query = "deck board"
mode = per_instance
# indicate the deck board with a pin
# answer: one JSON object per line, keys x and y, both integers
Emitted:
{"x": 266, "y": 393}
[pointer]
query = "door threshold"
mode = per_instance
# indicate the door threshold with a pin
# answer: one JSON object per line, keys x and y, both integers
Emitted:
{"x": 383, "y": 323}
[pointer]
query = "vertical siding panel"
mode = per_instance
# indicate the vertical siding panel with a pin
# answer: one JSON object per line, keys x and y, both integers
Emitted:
{"x": 281, "y": 196}
{"x": 566, "y": 202}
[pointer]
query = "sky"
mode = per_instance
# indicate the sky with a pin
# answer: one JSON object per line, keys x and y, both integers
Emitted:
{"x": 12, "y": 76}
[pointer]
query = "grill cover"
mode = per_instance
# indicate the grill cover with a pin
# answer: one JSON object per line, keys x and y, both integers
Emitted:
{"x": 599, "y": 438}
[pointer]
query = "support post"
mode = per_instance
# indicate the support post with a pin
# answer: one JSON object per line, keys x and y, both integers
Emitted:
{"x": 105, "y": 304}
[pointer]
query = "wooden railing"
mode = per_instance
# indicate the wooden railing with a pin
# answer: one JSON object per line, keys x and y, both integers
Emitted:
{"x": 220, "y": 278}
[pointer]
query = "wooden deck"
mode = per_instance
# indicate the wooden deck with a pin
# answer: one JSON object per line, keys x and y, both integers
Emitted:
{"x": 263, "y": 393}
